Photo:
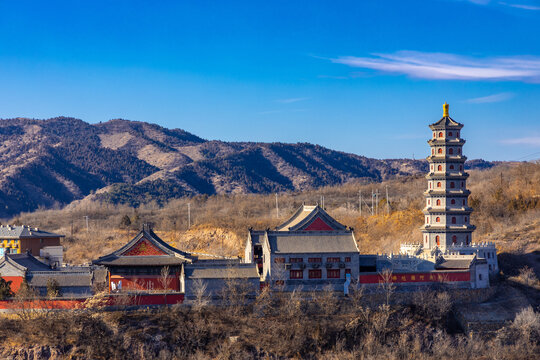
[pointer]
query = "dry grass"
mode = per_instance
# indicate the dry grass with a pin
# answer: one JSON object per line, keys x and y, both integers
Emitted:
{"x": 506, "y": 200}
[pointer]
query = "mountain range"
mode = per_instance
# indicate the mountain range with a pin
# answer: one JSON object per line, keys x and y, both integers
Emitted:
{"x": 50, "y": 163}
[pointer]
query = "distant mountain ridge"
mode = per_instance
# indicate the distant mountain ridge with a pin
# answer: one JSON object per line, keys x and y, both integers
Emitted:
{"x": 47, "y": 163}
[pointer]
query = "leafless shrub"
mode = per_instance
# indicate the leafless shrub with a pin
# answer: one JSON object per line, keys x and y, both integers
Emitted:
{"x": 527, "y": 276}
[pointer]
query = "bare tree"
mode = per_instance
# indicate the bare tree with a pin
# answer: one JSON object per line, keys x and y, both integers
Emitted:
{"x": 165, "y": 279}
{"x": 200, "y": 290}
{"x": 387, "y": 284}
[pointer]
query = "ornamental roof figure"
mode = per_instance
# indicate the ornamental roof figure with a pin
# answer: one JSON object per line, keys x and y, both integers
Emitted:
{"x": 446, "y": 121}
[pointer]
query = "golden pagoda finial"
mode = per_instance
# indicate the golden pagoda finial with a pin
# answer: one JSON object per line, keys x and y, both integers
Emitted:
{"x": 445, "y": 109}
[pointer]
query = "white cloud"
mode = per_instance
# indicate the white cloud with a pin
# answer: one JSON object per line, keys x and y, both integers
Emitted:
{"x": 291, "y": 100}
{"x": 530, "y": 140}
{"x": 520, "y": 4}
{"x": 491, "y": 98}
{"x": 440, "y": 66}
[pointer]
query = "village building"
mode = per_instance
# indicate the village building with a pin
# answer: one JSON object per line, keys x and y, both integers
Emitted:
{"x": 309, "y": 251}
{"x": 213, "y": 279}
{"x": 71, "y": 281}
{"x": 23, "y": 238}
{"x": 145, "y": 263}
{"x": 447, "y": 231}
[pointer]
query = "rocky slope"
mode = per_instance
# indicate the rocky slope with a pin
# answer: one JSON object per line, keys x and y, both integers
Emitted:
{"x": 49, "y": 163}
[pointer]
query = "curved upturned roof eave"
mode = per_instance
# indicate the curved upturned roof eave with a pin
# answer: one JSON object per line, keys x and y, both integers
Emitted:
{"x": 154, "y": 239}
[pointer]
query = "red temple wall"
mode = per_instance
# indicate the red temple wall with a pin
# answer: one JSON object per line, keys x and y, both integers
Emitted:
{"x": 417, "y": 277}
{"x": 144, "y": 282}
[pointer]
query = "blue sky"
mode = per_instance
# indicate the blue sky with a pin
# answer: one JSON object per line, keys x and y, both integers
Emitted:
{"x": 365, "y": 77}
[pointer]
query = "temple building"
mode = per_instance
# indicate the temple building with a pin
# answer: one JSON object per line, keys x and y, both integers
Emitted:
{"x": 309, "y": 251}
{"x": 145, "y": 263}
{"x": 447, "y": 228}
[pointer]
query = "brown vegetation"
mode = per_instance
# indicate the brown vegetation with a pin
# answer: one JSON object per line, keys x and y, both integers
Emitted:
{"x": 506, "y": 200}
{"x": 274, "y": 326}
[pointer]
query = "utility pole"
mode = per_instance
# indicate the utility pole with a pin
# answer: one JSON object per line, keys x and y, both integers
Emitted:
{"x": 189, "y": 215}
{"x": 387, "y": 202}
{"x": 360, "y": 201}
{"x": 86, "y": 217}
{"x": 377, "y": 202}
{"x": 277, "y": 207}
{"x": 372, "y": 205}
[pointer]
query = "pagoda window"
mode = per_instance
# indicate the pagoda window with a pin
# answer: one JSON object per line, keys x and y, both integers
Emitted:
{"x": 315, "y": 274}
{"x": 439, "y": 184}
{"x": 438, "y": 202}
{"x": 440, "y": 134}
{"x": 462, "y": 184}
{"x": 439, "y": 151}
{"x": 460, "y": 167}
{"x": 427, "y": 219}
{"x": 432, "y": 151}
{"x": 429, "y": 202}
{"x": 439, "y": 168}
{"x": 463, "y": 201}
{"x": 454, "y": 240}
{"x": 297, "y": 274}
{"x": 430, "y": 185}
{"x": 434, "y": 135}
{"x": 452, "y": 185}
{"x": 467, "y": 240}
{"x": 451, "y": 167}
{"x": 438, "y": 240}
{"x": 432, "y": 167}
{"x": 437, "y": 219}
{"x": 451, "y": 151}
{"x": 450, "y": 133}
{"x": 457, "y": 133}
{"x": 453, "y": 201}
{"x": 465, "y": 219}
{"x": 459, "y": 151}
{"x": 453, "y": 220}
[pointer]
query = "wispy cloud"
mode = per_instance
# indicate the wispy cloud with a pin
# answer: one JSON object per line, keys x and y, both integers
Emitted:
{"x": 440, "y": 66}
{"x": 491, "y": 98}
{"x": 530, "y": 140}
{"x": 291, "y": 100}
{"x": 520, "y": 4}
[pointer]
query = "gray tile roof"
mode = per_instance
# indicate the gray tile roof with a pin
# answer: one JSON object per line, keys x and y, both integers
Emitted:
{"x": 141, "y": 261}
{"x": 172, "y": 255}
{"x": 220, "y": 271}
{"x": 64, "y": 278}
{"x": 24, "y": 231}
{"x": 29, "y": 262}
{"x": 449, "y": 264}
{"x": 312, "y": 242}
{"x": 305, "y": 215}
{"x": 446, "y": 122}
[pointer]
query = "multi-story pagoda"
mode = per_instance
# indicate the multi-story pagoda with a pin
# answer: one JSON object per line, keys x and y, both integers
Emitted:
{"x": 447, "y": 214}
{"x": 447, "y": 229}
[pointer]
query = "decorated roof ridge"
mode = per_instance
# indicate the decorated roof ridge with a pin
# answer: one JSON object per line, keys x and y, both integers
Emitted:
{"x": 307, "y": 216}
{"x": 446, "y": 121}
{"x": 155, "y": 240}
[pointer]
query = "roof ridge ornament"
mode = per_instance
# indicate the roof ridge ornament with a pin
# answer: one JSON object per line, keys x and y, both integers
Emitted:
{"x": 445, "y": 109}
